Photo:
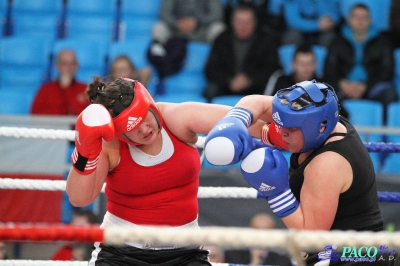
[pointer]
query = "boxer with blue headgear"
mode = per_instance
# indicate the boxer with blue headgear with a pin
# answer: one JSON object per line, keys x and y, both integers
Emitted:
{"x": 311, "y": 106}
{"x": 331, "y": 184}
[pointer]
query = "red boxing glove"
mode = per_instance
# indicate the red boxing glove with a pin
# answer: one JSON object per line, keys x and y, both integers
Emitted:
{"x": 93, "y": 124}
{"x": 270, "y": 135}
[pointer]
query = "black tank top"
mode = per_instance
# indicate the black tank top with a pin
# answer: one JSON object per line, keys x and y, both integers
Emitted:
{"x": 358, "y": 207}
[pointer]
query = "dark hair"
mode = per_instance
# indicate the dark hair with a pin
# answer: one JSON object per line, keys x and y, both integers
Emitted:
{"x": 245, "y": 7}
{"x": 92, "y": 218}
{"x": 359, "y": 5}
{"x": 108, "y": 93}
{"x": 303, "y": 49}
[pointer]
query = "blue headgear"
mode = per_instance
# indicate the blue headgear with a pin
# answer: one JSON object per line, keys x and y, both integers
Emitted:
{"x": 310, "y": 106}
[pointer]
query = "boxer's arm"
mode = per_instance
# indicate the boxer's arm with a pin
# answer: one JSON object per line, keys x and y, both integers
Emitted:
{"x": 87, "y": 173}
{"x": 259, "y": 105}
{"x": 325, "y": 178}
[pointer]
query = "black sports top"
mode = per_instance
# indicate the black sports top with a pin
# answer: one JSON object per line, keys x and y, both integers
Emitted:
{"x": 358, "y": 207}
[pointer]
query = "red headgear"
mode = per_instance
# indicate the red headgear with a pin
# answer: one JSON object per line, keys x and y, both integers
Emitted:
{"x": 133, "y": 115}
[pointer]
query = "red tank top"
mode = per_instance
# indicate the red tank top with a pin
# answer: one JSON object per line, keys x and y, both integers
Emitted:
{"x": 162, "y": 194}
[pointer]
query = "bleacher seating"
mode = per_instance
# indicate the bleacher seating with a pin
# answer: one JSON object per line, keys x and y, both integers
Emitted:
{"x": 24, "y": 57}
{"x": 191, "y": 79}
{"x": 397, "y": 69}
{"x": 392, "y": 162}
{"x": 15, "y": 102}
{"x": 137, "y": 20}
{"x": 28, "y": 25}
{"x": 366, "y": 113}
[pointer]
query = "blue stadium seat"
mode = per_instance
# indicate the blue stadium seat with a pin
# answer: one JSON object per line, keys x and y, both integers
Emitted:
{"x": 24, "y": 52}
{"x": 24, "y": 55}
{"x": 91, "y": 19}
{"x": 230, "y": 100}
{"x": 27, "y": 79}
{"x": 397, "y": 69}
{"x": 136, "y": 50}
{"x": 134, "y": 28}
{"x": 91, "y": 57}
{"x": 90, "y": 28}
{"x": 37, "y": 7}
{"x": 197, "y": 55}
{"x": 366, "y": 113}
{"x": 392, "y": 162}
{"x": 148, "y": 9}
{"x": 286, "y": 53}
{"x": 186, "y": 83}
{"x": 89, "y": 8}
{"x": 179, "y": 98}
{"x": 380, "y": 11}
{"x": 15, "y": 102}
{"x": 191, "y": 78}
{"x": 46, "y": 27}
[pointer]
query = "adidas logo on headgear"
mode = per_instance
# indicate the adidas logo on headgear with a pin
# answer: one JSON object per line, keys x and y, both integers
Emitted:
{"x": 277, "y": 118}
{"x": 265, "y": 187}
{"x": 132, "y": 122}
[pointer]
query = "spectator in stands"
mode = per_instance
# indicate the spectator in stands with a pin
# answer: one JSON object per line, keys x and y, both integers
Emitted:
{"x": 3, "y": 251}
{"x": 394, "y": 23}
{"x": 123, "y": 67}
{"x": 360, "y": 63}
{"x": 78, "y": 251}
{"x": 195, "y": 20}
{"x": 259, "y": 256}
{"x": 310, "y": 21}
{"x": 242, "y": 58}
{"x": 216, "y": 254}
{"x": 304, "y": 65}
{"x": 64, "y": 96}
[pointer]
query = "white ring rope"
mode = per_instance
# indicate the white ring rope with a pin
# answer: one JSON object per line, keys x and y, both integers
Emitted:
{"x": 58, "y": 263}
{"x": 62, "y": 134}
{"x": 60, "y": 185}
{"x": 37, "y": 133}
{"x": 310, "y": 240}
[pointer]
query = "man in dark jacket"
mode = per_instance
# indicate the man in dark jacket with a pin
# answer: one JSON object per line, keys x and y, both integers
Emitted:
{"x": 242, "y": 58}
{"x": 359, "y": 64}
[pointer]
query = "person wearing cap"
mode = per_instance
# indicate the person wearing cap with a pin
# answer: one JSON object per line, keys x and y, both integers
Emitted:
{"x": 331, "y": 184}
{"x": 146, "y": 154}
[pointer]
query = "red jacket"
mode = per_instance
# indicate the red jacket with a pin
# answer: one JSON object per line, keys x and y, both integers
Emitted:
{"x": 64, "y": 253}
{"x": 51, "y": 99}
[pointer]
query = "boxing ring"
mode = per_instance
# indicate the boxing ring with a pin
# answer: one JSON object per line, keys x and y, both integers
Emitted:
{"x": 294, "y": 241}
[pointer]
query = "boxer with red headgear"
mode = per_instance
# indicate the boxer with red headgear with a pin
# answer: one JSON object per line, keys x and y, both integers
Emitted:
{"x": 146, "y": 154}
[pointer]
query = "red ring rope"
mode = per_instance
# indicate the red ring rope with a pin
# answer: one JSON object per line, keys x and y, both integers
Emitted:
{"x": 52, "y": 233}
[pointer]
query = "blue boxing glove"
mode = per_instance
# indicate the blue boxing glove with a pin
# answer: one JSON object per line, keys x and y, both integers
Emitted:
{"x": 230, "y": 141}
{"x": 266, "y": 170}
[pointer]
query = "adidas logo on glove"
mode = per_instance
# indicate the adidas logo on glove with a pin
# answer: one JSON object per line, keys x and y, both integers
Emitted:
{"x": 225, "y": 125}
{"x": 265, "y": 187}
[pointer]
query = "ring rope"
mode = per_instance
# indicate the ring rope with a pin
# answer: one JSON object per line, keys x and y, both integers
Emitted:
{"x": 68, "y": 263}
{"x": 63, "y": 134}
{"x": 292, "y": 240}
{"x": 204, "y": 192}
